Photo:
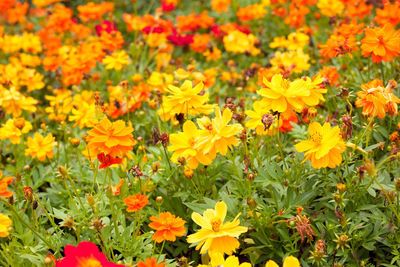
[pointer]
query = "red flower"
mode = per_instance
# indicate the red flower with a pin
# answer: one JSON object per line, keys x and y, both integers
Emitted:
{"x": 107, "y": 160}
{"x": 106, "y": 26}
{"x": 167, "y": 6}
{"x": 86, "y": 254}
{"x": 180, "y": 39}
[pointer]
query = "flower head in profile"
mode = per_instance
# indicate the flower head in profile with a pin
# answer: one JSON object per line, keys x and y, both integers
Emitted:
{"x": 215, "y": 235}
{"x": 376, "y": 100}
{"x": 167, "y": 227}
{"x": 135, "y": 202}
{"x": 323, "y": 147}
{"x": 86, "y": 254}
{"x": 112, "y": 138}
{"x": 41, "y": 147}
{"x": 217, "y": 135}
{"x": 5, "y": 224}
{"x": 381, "y": 43}
{"x": 4, "y": 182}
{"x": 184, "y": 145}
{"x": 150, "y": 262}
{"x": 289, "y": 261}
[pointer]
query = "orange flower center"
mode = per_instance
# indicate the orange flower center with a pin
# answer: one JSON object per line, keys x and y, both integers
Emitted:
{"x": 90, "y": 262}
{"x": 380, "y": 39}
{"x": 216, "y": 223}
{"x": 316, "y": 138}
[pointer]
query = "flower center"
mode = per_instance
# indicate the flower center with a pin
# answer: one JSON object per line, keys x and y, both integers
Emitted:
{"x": 380, "y": 39}
{"x": 316, "y": 138}
{"x": 216, "y": 223}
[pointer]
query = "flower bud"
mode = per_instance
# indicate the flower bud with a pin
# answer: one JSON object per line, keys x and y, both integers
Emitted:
{"x": 159, "y": 200}
{"x": 90, "y": 199}
{"x": 252, "y": 203}
{"x": 63, "y": 172}
{"x": 188, "y": 173}
{"x": 370, "y": 167}
{"x": 75, "y": 142}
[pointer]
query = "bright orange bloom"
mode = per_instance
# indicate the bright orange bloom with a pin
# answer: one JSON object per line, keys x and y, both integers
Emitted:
{"x": 381, "y": 43}
{"x": 4, "y": 182}
{"x": 338, "y": 45}
{"x": 92, "y": 11}
{"x": 135, "y": 202}
{"x": 150, "y": 262}
{"x": 389, "y": 14}
{"x": 331, "y": 75}
{"x": 112, "y": 138}
{"x": 167, "y": 227}
{"x": 377, "y": 100}
{"x": 220, "y": 5}
{"x": 248, "y": 13}
{"x": 115, "y": 189}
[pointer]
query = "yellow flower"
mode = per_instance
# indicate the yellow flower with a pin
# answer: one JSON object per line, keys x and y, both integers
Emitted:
{"x": 239, "y": 42}
{"x": 330, "y": 8}
{"x": 84, "y": 115}
{"x": 40, "y": 147}
{"x": 5, "y": 224}
{"x": 13, "y": 129}
{"x": 282, "y": 95}
{"x": 183, "y": 145}
{"x": 216, "y": 135}
{"x": 293, "y": 61}
{"x": 217, "y": 259}
{"x": 13, "y": 102}
{"x": 259, "y": 119}
{"x": 289, "y": 261}
{"x": 117, "y": 60}
{"x": 324, "y": 146}
{"x": 215, "y": 235}
{"x": 186, "y": 100}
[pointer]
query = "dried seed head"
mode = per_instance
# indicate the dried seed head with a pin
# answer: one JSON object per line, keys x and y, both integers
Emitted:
{"x": 267, "y": 120}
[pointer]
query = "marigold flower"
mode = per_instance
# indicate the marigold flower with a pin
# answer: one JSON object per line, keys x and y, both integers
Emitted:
{"x": 85, "y": 254}
{"x": 4, "y": 182}
{"x": 167, "y": 227}
{"x": 215, "y": 235}
{"x": 324, "y": 146}
{"x": 135, "y": 202}
{"x": 5, "y": 224}
{"x": 112, "y": 138}
{"x": 41, "y": 147}
{"x": 381, "y": 43}
{"x": 150, "y": 262}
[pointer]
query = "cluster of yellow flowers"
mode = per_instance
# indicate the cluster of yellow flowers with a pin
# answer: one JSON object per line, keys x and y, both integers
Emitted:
{"x": 239, "y": 42}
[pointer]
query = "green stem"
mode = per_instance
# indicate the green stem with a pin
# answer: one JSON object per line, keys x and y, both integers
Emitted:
{"x": 113, "y": 211}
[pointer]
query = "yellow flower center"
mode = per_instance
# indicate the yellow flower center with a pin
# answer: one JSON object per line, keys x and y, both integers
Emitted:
{"x": 216, "y": 223}
{"x": 316, "y": 138}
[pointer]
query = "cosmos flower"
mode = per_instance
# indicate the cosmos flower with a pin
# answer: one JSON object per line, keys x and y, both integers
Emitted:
{"x": 4, "y": 182}
{"x": 40, "y": 147}
{"x": 289, "y": 261}
{"x": 215, "y": 235}
{"x": 5, "y": 224}
{"x": 150, "y": 262}
{"x": 84, "y": 255}
{"x": 167, "y": 227}
{"x": 135, "y": 202}
{"x": 13, "y": 129}
{"x": 324, "y": 146}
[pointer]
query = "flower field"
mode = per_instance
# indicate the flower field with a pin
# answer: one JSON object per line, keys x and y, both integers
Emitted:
{"x": 230, "y": 133}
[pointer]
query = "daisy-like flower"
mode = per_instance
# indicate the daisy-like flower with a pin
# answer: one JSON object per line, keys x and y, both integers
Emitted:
{"x": 324, "y": 146}
{"x": 117, "y": 60}
{"x": 215, "y": 236}
{"x": 111, "y": 138}
{"x": 261, "y": 120}
{"x": 167, "y": 227}
{"x": 381, "y": 43}
{"x": 5, "y": 224}
{"x": 84, "y": 255}
{"x": 217, "y": 135}
{"x": 376, "y": 100}
{"x": 4, "y": 182}
{"x": 289, "y": 261}
{"x": 41, "y": 147}
{"x": 135, "y": 202}
{"x": 13, "y": 102}
{"x": 150, "y": 262}
{"x": 13, "y": 129}
{"x": 217, "y": 259}
{"x": 186, "y": 100}
{"x": 84, "y": 115}
{"x": 183, "y": 144}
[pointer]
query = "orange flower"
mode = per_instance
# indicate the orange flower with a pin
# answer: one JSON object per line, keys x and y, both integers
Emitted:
{"x": 389, "y": 14}
{"x": 150, "y": 262}
{"x": 3, "y": 186}
{"x": 167, "y": 227}
{"x": 381, "y": 43}
{"x": 115, "y": 189}
{"x": 338, "y": 45}
{"x": 377, "y": 100}
{"x": 135, "y": 202}
{"x": 112, "y": 138}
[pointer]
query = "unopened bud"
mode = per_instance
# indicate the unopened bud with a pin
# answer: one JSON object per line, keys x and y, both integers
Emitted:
{"x": 188, "y": 173}
{"x": 75, "y": 142}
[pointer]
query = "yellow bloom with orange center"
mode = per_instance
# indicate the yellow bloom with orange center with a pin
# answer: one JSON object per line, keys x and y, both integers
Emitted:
{"x": 5, "y": 224}
{"x": 186, "y": 100}
{"x": 41, "y": 147}
{"x": 215, "y": 236}
{"x": 184, "y": 146}
{"x": 323, "y": 147}
{"x": 13, "y": 129}
{"x": 217, "y": 135}
{"x": 112, "y": 138}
